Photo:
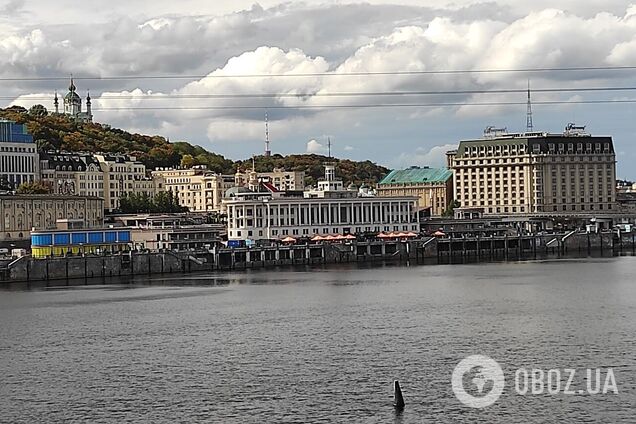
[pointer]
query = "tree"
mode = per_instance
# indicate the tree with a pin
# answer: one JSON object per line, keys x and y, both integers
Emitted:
{"x": 34, "y": 187}
{"x": 38, "y": 110}
{"x": 450, "y": 210}
{"x": 187, "y": 161}
{"x": 163, "y": 202}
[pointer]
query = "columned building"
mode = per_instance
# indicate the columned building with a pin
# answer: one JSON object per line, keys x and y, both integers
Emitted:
{"x": 572, "y": 173}
{"x": 270, "y": 215}
{"x": 19, "y": 159}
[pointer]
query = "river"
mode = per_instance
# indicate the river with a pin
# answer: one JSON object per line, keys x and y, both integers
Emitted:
{"x": 318, "y": 345}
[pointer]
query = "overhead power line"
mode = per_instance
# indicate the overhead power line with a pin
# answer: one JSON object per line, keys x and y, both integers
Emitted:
{"x": 363, "y": 106}
{"x": 326, "y": 74}
{"x": 342, "y": 94}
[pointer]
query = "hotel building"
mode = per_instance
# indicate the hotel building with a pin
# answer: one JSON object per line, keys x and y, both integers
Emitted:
{"x": 572, "y": 173}
{"x": 329, "y": 209}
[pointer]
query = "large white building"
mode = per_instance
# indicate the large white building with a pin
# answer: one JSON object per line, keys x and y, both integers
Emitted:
{"x": 19, "y": 159}
{"x": 259, "y": 215}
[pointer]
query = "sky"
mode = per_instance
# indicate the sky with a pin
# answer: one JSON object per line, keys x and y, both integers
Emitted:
{"x": 196, "y": 51}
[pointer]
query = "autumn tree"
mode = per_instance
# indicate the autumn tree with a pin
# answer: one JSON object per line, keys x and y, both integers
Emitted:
{"x": 35, "y": 187}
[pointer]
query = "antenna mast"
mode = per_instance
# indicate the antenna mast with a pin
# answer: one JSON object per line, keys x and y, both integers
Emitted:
{"x": 329, "y": 146}
{"x": 267, "y": 151}
{"x": 529, "y": 112}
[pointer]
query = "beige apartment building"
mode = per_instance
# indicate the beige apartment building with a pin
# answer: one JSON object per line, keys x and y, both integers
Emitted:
{"x": 72, "y": 173}
{"x": 196, "y": 188}
{"x": 433, "y": 187}
{"x": 279, "y": 178}
{"x": 572, "y": 173}
{"x": 123, "y": 175}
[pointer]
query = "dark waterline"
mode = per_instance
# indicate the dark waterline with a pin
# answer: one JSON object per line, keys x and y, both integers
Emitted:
{"x": 320, "y": 344}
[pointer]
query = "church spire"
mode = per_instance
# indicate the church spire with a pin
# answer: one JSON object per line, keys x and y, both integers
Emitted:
{"x": 56, "y": 103}
{"x": 71, "y": 86}
{"x": 89, "y": 110}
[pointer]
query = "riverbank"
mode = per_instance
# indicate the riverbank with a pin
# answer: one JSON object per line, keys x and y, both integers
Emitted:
{"x": 443, "y": 250}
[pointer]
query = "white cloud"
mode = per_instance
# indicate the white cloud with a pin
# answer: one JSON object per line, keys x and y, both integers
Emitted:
{"x": 316, "y": 37}
{"x": 434, "y": 157}
{"x": 314, "y": 146}
{"x": 349, "y": 148}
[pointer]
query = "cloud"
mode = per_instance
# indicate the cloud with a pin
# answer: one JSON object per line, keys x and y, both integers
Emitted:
{"x": 307, "y": 37}
{"x": 13, "y": 8}
{"x": 314, "y": 146}
{"x": 434, "y": 157}
{"x": 349, "y": 148}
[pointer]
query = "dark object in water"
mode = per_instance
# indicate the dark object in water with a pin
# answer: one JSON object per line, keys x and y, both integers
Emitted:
{"x": 398, "y": 400}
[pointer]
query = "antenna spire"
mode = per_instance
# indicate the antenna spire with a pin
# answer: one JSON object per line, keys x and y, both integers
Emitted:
{"x": 267, "y": 151}
{"x": 529, "y": 112}
{"x": 329, "y": 146}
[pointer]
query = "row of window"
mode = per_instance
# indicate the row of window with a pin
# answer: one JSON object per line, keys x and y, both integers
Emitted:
{"x": 309, "y": 232}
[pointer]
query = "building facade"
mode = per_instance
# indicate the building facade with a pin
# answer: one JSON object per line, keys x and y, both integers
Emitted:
{"x": 19, "y": 159}
{"x": 22, "y": 213}
{"x": 72, "y": 173}
{"x": 572, "y": 173}
{"x": 279, "y": 178}
{"x": 80, "y": 241}
{"x": 196, "y": 188}
{"x": 271, "y": 215}
{"x": 432, "y": 186}
{"x": 122, "y": 175}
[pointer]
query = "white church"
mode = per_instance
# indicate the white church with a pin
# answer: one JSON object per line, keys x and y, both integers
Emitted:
{"x": 73, "y": 105}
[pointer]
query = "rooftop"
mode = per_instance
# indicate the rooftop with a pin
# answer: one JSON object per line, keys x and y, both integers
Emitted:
{"x": 417, "y": 175}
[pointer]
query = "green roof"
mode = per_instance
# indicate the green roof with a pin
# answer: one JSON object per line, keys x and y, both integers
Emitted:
{"x": 417, "y": 175}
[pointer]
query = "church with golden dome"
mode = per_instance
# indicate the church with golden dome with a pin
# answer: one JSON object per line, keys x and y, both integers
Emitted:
{"x": 73, "y": 105}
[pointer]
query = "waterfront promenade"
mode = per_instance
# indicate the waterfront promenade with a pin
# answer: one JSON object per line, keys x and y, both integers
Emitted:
{"x": 430, "y": 249}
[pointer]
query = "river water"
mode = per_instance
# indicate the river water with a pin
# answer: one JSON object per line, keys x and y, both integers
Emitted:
{"x": 317, "y": 345}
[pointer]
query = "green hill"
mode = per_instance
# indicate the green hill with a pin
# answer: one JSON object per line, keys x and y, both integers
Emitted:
{"x": 57, "y": 132}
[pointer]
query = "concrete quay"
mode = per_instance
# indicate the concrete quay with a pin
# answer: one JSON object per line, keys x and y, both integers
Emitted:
{"x": 442, "y": 249}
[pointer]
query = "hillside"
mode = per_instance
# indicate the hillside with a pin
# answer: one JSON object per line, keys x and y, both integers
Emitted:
{"x": 59, "y": 133}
